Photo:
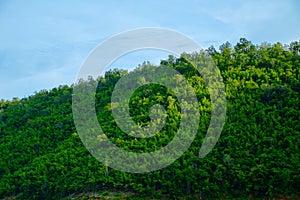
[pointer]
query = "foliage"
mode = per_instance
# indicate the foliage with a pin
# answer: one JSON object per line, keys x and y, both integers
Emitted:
{"x": 257, "y": 154}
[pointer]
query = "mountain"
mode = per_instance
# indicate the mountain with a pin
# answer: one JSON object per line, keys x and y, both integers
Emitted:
{"x": 257, "y": 154}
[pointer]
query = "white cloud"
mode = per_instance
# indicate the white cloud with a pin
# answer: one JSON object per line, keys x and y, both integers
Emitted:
{"x": 241, "y": 12}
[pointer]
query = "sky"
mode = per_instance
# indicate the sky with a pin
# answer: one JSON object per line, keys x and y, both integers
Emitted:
{"x": 44, "y": 43}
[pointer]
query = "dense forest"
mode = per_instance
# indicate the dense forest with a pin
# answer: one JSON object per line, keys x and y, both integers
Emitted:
{"x": 256, "y": 156}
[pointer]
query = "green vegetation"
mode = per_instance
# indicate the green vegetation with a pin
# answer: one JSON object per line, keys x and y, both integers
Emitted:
{"x": 257, "y": 155}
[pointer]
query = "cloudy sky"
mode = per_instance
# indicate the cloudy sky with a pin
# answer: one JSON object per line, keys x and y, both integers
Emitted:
{"x": 44, "y": 43}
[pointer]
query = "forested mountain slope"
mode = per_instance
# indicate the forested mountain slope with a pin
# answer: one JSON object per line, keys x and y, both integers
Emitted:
{"x": 258, "y": 153}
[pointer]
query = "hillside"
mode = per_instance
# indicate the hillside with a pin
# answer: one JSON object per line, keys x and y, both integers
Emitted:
{"x": 257, "y": 155}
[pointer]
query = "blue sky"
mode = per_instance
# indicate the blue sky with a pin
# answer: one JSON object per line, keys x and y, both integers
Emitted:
{"x": 44, "y": 43}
